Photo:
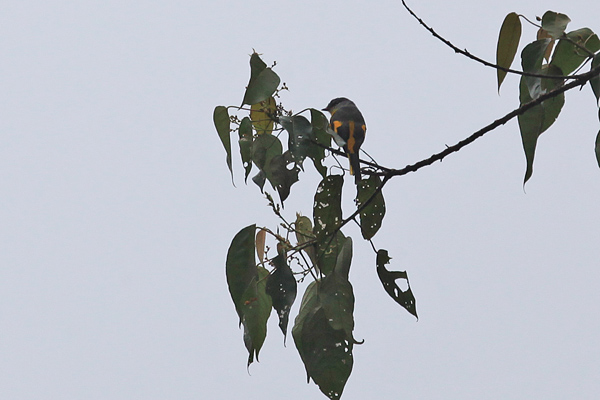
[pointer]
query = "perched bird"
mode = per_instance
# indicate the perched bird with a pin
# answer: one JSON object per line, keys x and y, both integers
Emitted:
{"x": 349, "y": 124}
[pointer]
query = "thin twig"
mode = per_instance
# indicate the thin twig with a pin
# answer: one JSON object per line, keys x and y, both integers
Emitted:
{"x": 480, "y": 60}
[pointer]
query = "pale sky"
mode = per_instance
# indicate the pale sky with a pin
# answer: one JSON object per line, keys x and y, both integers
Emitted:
{"x": 117, "y": 208}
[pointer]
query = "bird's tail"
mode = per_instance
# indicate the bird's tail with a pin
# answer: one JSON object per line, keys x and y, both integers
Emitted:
{"x": 354, "y": 167}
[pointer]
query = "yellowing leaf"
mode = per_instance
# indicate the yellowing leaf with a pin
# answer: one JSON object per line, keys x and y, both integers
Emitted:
{"x": 508, "y": 42}
{"x": 260, "y": 244}
{"x": 261, "y": 114}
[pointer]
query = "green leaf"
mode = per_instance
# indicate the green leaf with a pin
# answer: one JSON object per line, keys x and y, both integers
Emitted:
{"x": 280, "y": 176}
{"x": 316, "y": 153}
{"x": 268, "y": 157}
{"x": 304, "y": 233}
{"x": 256, "y": 310}
{"x": 240, "y": 266}
{"x": 508, "y": 42}
{"x": 309, "y": 305}
{"x": 531, "y": 61}
{"x": 372, "y": 215}
{"x": 282, "y": 288}
{"x": 538, "y": 119}
{"x": 555, "y": 23}
{"x": 388, "y": 279}
{"x": 337, "y": 296}
{"x": 245, "y": 142}
{"x": 262, "y": 115}
{"x": 222, "y": 123}
{"x": 260, "y": 178}
{"x": 569, "y": 54}
{"x": 263, "y": 82}
{"x": 344, "y": 258}
{"x": 595, "y": 81}
{"x": 299, "y": 136}
{"x": 325, "y": 351}
{"x": 327, "y": 217}
{"x": 264, "y": 149}
{"x": 598, "y": 145}
{"x": 257, "y": 65}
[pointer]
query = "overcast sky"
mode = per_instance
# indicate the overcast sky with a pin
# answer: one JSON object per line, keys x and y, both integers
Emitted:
{"x": 117, "y": 208}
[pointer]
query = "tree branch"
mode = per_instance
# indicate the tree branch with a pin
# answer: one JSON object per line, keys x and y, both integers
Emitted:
{"x": 389, "y": 173}
{"x": 480, "y": 60}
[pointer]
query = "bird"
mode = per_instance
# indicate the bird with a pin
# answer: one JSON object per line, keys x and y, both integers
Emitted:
{"x": 348, "y": 123}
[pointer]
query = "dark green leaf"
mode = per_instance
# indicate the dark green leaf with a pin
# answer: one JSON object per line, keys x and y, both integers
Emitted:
{"x": 569, "y": 55}
{"x": 327, "y": 216}
{"x": 222, "y": 123}
{"x": 372, "y": 215}
{"x": 344, "y": 258}
{"x": 268, "y": 157}
{"x": 256, "y": 310}
{"x": 280, "y": 176}
{"x": 337, "y": 296}
{"x": 388, "y": 279}
{"x": 260, "y": 178}
{"x": 264, "y": 149}
{"x": 555, "y": 23}
{"x": 319, "y": 124}
{"x": 325, "y": 351}
{"x": 263, "y": 82}
{"x": 245, "y": 142}
{"x": 281, "y": 286}
{"x": 531, "y": 61}
{"x": 595, "y": 81}
{"x": 257, "y": 65}
{"x": 508, "y": 42}
{"x": 300, "y": 136}
{"x": 598, "y": 145}
{"x": 538, "y": 119}
{"x": 309, "y": 305}
{"x": 240, "y": 267}
{"x": 262, "y": 115}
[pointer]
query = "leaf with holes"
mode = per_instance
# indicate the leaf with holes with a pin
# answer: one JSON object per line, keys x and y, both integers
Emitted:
{"x": 327, "y": 216}
{"x": 316, "y": 152}
{"x": 326, "y": 352}
{"x": 282, "y": 288}
{"x": 300, "y": 136}
{"x": 371, "y": 216}
{"x": 388, "y": 279}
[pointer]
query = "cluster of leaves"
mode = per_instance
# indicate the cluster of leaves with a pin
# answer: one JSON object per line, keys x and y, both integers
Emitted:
{"x": 323, "y": 329}
{"x": 555, "y": 55}
{"x": 317, "y": 247}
